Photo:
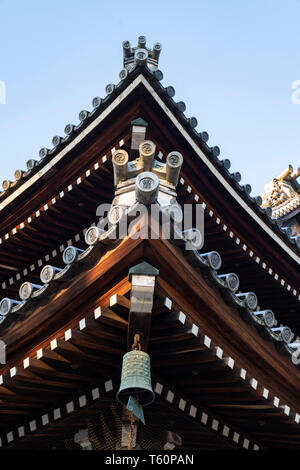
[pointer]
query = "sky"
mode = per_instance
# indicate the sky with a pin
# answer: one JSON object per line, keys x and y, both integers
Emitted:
{"x": 232, "y": 62}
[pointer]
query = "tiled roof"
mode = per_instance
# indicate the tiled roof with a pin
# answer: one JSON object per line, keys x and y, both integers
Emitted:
{"x": 154, "y": 76}
{"x": 54, "y": 279}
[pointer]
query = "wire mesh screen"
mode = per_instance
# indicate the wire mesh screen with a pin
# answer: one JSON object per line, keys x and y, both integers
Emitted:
{"x": 105, "y": 429}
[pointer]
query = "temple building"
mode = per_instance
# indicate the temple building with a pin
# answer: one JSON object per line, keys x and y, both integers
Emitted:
{"x": 282, "y": 195}
{"x": 148, "y": 300}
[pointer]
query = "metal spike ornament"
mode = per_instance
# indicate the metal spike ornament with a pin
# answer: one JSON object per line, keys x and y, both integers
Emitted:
{"x": 135, "y": 389}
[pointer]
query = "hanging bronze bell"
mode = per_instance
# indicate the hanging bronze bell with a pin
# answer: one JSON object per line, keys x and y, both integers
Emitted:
{"x": 136, "y": 378}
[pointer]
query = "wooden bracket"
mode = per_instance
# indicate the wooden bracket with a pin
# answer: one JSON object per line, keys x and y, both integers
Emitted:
{"x": 142, "y": 278}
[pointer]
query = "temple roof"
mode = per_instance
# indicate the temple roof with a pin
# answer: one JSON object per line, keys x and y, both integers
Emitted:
{"x": 282, "y": 194}
{"x": 76, "y": 260}
{"x": 216, "y": 314}
{"x": 141, "y": 64}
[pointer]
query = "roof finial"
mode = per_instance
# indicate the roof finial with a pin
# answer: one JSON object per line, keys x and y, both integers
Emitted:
{"x": 282, "y": 194}
{"x": 141, "y": 54}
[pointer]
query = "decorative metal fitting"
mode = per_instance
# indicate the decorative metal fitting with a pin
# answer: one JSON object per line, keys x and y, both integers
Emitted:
{"x": 146, "y": 187}
{"x": 231, "y": 281}
{"x": 285, "y": 333}
{"x": 6, "y": 305}
{"x": 48, "y": 272}
{"x": 213, "y": 258}
{"x": 70, "y": 254}
{"x": 91, "y": 235}
{"x": 26, "y": 290}
{"x": 267, "y": 316}
{"x": 250, "y": 299}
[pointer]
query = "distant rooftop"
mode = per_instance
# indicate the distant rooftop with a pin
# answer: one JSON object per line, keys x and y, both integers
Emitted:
{"x": 282, "y": 194}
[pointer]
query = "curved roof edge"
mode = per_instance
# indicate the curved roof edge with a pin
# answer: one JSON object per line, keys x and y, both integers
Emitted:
{"x": 102, "y": 107}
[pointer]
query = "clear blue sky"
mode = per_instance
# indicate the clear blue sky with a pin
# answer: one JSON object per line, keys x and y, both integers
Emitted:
{"x": 232, "y": 62}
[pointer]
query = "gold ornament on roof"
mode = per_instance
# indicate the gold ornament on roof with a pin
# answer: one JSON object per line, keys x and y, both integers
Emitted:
{"x": 282, "y": 194}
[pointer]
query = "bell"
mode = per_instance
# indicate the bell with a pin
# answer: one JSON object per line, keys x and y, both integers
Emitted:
{"x": 136, "y": 378}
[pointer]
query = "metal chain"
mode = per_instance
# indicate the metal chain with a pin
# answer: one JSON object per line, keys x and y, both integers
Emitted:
{"x": 136, "y": 343}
